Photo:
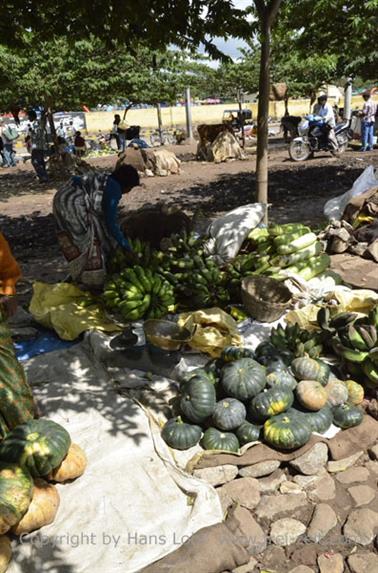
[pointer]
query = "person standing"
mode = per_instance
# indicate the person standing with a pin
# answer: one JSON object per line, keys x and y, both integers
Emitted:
{"x": 119, "y": 131}
{"x": 9, "y": 135}
{"x": 369, "y": 111}
{"x": 39, "y": 146}
{"x": 16, "y": 405}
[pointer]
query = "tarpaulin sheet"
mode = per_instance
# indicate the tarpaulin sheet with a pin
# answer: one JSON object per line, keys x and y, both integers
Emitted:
{"x": 133, "y": 505}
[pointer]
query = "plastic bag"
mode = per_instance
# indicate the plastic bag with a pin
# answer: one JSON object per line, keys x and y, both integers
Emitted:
{"x": 68, "y": 310}
{"x": 334, "y": 208}
{"x": 228, "y": 233}
{"x": 214, "y": 330}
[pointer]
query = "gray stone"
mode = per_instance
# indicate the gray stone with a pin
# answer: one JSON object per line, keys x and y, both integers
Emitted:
{"x": 272, "y": 506}
{"x": 344, "y": 464}
{"x": 361, "y": 526}
{"x": 290, "y": 487}
{"x": 361, "y": 494}
{"x": 322, "y": 490}
{"x": 353, "y": 475}
{"x": 247, "y": 568}
{"x": 261, "y": 469}
{"x": 286, "y": 531}
{"x": 323, "y": 520}
{"x": 306, "y": 481}
{"x": 372, "y": 467}
{"x": 363, "y": 563}
{"x": 312, "y": 461}
{"x": 331, "y": 563}
{"x": 249, "y": 532}
{"x": 374, "y": 452}
{"x": 244, "y": 491}
{"x": 271, "y": 483}
{"x": 301, "y": 569}
{"x": 217, "y": 475}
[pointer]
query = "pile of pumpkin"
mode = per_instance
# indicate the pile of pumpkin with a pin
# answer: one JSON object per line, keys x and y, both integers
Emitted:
{"x": 236, "y": 400}
{"x": 32, "y": 455}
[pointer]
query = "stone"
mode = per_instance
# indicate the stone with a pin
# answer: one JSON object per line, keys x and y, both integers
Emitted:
{"x": 331, "y": 563}
{"x": 306, "y": 481}
{"x": 323, "y": 520}
{"x": 248, "y": 531}
{"x": 290, "y": 487}
{"x": 361, "y": 494}
{"x": 372, "y": 467}
{"x": 271, "y": 483}
{"x": 363, "y": 563}
{"x": 344, "y": 464}
{"x": 322, "y": 490}
{"x": 273, "y": 555}
{"x": 312, "y": 461}
{"x": 361, "y": 526}
{"x": 301, "y": 569}
{"x": 374, "y": 452}
{"x": 244, "y": 491}
{"x": 261, "y": 469}
{"x": 286, "y": 531}
{"x": 217, "y": 475}
{"x": 353, "y": 475}
{"x": 271, "y": 506}
{"x": 247, "y": 568}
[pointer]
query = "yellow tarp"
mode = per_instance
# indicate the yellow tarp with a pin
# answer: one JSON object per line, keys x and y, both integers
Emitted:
{"x": 214, "y": 330}
{"x": 341, "y": 300}
{"x": 68, "y": 310}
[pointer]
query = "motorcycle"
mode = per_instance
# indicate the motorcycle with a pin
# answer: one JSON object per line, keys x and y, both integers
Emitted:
{"x": 313, "y": 137}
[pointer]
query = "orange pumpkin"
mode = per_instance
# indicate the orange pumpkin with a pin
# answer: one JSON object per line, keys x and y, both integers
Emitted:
{"x": 311, "y": 395}
{"x": 42, "y": 510}
{"x": 72, "y": 467}
{"x": 5, "y": 553}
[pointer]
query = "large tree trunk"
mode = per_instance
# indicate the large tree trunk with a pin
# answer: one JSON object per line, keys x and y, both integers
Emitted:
{"x": 267, "y": 13}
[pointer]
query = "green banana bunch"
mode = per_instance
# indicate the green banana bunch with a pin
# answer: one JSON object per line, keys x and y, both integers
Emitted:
{"x": 299, "y": 342}
{"x": 138, "y": 292}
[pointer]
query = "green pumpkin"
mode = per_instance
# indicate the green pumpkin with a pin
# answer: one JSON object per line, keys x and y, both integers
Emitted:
{"x": 243, "y": 378}
{"x": 247, "y": 433}
{"x": 228, "y": 414}
{"x": 232, "y": 353}
{"x": 207, "y": 375}
{"x": 321, "y": 420}
{"x": 39, "y": 445}
{"x": 337, "y": 392}
{"x": 347, "y": 416}
{"x": 324, "y": 372}
{"x": 287, "y": 431}
{"x": 356, "y": 392}
{"x": 271, "y": 402}
{"x": 214, "y": 439}
{"x": 16, "y": 490}
{"x": 277, "y": 374}
{"x": 305, "y": 368}
{"x": 179, "y": 435}
{"x": 197, "y": 399}
{"x": 266, "y": 352}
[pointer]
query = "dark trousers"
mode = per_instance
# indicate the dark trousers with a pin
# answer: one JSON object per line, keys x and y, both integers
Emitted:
{"x": 39, "y": 164}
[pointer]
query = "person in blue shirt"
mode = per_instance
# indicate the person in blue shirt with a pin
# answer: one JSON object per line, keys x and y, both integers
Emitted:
{"x": 86, "y": 213}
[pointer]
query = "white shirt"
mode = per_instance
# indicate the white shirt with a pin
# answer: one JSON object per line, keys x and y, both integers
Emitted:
{"x": 369, "y": 111}
{"x": 326, "y": 112}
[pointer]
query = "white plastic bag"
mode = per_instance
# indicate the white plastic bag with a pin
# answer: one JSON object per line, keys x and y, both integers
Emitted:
{"x": 228, "y": 233}
{"x": 334, "y": 208}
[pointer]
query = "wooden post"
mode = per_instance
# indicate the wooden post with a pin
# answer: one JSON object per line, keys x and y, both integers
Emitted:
{"x": 188, "y": 111}
{"x": 160, "y": 123}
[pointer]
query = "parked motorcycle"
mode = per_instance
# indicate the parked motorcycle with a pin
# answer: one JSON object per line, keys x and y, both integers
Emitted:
{"x": 313, "y": 137}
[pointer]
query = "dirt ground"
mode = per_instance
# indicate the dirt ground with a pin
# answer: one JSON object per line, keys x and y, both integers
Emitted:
{"x": 297, "y": 192}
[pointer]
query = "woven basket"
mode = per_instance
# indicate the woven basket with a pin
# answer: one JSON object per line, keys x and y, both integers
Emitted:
{"x": 264, "y": 298}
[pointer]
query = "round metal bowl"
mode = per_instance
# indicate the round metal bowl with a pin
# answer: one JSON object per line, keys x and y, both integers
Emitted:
{"x": 166, "y": 334}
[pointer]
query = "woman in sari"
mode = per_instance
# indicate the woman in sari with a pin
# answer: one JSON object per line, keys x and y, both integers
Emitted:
{"x": 16, "y": 399}
{"x": 85, "y": 211}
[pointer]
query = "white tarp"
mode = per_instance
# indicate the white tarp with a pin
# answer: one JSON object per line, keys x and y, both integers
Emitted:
{"x": 133, "y": 505}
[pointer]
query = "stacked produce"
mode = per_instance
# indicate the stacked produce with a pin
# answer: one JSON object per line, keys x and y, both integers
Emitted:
{"x": 354, "y": 338}
{"x": 138, "y": 292}
{"x": 236, "y": 400}
{"x": 296, "y": 341}
{"x": 32, "y": 455}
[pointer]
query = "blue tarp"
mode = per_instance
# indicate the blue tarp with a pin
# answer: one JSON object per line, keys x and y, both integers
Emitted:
{"x": 47, "y": 341}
